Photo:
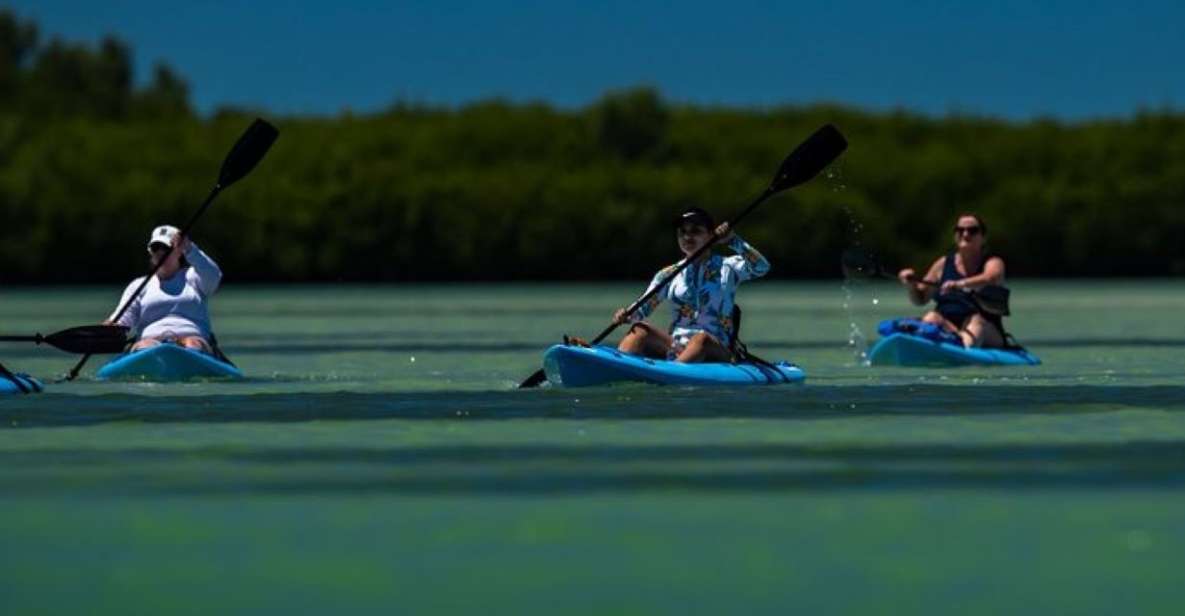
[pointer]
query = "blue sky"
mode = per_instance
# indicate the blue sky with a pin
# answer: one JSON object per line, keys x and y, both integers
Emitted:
{"x": 1071, "y": 60}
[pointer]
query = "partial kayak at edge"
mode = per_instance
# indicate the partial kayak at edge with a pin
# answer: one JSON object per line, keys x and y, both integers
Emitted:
{"x": 167, "y": 362}
{"x": 900, "y": 349}
{"x": 28, "y": 385}
{"x": 578, "y": 366}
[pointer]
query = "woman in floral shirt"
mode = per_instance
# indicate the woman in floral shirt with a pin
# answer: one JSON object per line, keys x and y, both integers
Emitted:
{"x": 701, "y": 296}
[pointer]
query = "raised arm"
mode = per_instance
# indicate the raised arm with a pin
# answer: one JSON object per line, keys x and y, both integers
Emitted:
{"x": 747, "y": 262}
{"x": 205, "y": 273}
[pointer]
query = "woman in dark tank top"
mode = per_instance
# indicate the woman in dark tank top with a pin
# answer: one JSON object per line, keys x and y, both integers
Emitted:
{"x": 966, "y": 268}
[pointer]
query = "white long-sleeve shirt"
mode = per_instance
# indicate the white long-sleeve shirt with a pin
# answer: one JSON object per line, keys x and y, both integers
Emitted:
{"x": 175, "y": 307}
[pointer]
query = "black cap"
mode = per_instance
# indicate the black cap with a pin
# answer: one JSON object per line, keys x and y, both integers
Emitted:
{"x": 695, "y": 215}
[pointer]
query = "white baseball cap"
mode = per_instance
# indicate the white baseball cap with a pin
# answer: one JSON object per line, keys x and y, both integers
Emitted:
{"x": 163, "y": 234}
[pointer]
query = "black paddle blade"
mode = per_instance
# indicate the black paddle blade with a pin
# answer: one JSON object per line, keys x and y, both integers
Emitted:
{"x": 809, "y": 158}
{"x": 247, "y": 152}
{"x": 90, "y": 339}
{"x": 858, "y": 262}
{"x": 534, "y": 380}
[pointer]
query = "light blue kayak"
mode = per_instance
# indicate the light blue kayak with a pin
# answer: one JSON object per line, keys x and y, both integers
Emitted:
{"x": 25, "y": 385}
{"x": 577, "y": 366}
{"x": 908, "y": 350}
{"x": 167, "y": 362}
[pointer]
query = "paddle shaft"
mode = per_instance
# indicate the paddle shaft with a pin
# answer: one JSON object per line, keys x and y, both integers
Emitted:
{"x": 143, "y": 283}
{"x": 914, "y": 280}
{"x": 80, "y": 340}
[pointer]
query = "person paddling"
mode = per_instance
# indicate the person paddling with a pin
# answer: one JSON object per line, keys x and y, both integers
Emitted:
{"x": 702, "y": 296}
{"x": 174, "y": 305}
{"x": 952, "y": 278}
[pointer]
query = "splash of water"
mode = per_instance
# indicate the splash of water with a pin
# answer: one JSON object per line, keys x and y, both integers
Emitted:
{"x": 857, "y": 341}
{"x": 834, "y": 176}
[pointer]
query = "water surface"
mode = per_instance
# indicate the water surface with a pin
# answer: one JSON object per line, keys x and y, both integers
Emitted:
{"x": 378, "y": 457}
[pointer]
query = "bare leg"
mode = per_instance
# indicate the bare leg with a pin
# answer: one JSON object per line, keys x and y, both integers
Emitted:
{"x": 196, "y": 343}
{"x": 978, "y": 332}
{"x": 703, "y": 347}
{"x": 646, "y": 341}
{"x": 935, "y": 318}
{"x": 145, "y": 343}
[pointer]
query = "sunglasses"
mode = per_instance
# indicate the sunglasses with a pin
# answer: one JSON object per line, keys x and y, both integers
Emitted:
{"x": 971, "y": 231}
{"x": 155, "y": 248}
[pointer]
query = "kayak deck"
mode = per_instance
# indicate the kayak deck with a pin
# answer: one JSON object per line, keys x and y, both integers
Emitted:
{"x": 901, "y": 349}
{"x": 577, "y": 366}
{"x": 167, "y": 362}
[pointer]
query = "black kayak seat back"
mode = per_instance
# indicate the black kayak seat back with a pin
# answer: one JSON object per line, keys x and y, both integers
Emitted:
{"x": 736, "y": 329}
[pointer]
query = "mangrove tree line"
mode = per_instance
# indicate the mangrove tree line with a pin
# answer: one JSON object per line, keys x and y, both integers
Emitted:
{"x": 89, "y": 162}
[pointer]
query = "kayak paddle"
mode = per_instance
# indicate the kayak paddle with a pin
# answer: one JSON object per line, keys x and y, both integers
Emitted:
{"x": 990, "y": 298}
{"x": 251, "y": 147}
{"x": 85, "y": 340}
{"x": 803, "y": 164}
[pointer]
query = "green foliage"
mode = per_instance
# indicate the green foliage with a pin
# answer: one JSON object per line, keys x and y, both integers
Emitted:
{"x": 62, "y": 79}
{"x": 495, "y": 191}
{"x": 17, "y": 40}
{"x": 631, "y": 124}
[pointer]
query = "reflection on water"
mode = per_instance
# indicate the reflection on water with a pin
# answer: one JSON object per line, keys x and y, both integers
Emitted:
{"x": 548, "y": 469}
{"x": 789, "y": 404}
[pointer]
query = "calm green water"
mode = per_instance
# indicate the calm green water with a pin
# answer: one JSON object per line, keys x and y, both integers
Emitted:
{"x": 378, "y": 458}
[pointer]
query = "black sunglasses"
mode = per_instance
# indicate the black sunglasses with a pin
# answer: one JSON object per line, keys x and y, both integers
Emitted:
{"x": 158, "y": 247}
{"x": 972, "y": 231}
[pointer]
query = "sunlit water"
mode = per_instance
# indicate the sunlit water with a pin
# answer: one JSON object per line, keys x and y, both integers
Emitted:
{"x": 379, "y": 457}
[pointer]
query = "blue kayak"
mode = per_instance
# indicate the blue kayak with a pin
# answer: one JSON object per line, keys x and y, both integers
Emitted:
{"x": 901, "y": 349}
{"x": 577, "y": 366}
{"x": 24, "y": 384}
{"x": 167, "y": 362}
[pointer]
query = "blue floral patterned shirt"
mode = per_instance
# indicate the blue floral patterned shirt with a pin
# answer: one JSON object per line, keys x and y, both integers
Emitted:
{"x": 702, "y": 295}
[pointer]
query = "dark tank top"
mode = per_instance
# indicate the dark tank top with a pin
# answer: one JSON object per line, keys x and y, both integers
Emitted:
{"x": 956, "y": 306}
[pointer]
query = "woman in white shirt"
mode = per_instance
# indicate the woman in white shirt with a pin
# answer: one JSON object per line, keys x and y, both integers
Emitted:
{"x": 173, "y": 305}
